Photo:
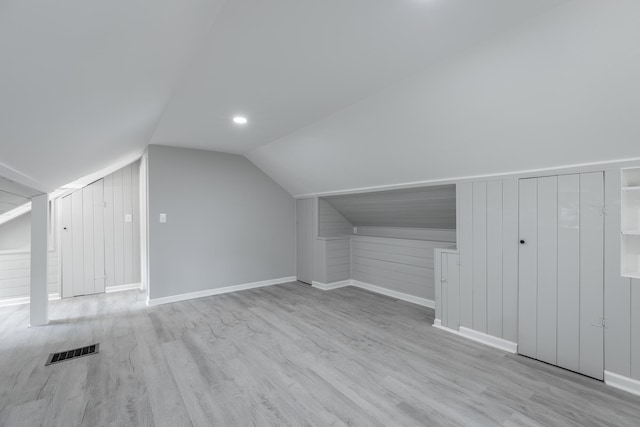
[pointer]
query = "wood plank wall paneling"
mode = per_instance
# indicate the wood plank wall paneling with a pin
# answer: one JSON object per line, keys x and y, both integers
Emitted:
{"x": 338, "y": 260}
{"x": 401, "y": 265}
{"x": 591, "y": 273}
{"x": 488, "y": 246}
{"x": 118, "y": 227}
{"x": 109, "y": 232}
{"x": 465, "y": 232}
{"x": 425, "y": 207}
{"x": 330, "y": 221}
{"x": 547, "y": 289}
{"x": 568, "y": 337}
{"x": 15, "y": 274}
{"x": 480, "y": 256}
{"x": 494, "y": 258}
{"x": 510, "y": 260}
{"x": 618, "y": 289}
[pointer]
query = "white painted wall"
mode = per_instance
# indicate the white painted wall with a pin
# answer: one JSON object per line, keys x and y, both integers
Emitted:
{"x": 227, "y": 222}
{"x": 562, "y": 90}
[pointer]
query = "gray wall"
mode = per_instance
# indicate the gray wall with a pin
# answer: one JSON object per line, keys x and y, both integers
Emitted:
{"x": 16, "y": 234}
{"x": 228, "y": 223}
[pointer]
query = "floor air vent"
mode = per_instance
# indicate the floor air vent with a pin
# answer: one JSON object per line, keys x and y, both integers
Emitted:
{"x": 72, "y": 354}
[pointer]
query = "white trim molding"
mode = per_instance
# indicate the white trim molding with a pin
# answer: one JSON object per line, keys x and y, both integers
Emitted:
{"x": 329, "y": 286}
{"x": 24, "y": 300}
{"x": 217, "y": 291}
{"x": 502, "y": 344}
{"x": 491, "y": 341}
{"x": 394, "y": 294}
{"x": 120, "y": 288}
{"x": 376, "y": 289}
{"x": 620, "y": 382}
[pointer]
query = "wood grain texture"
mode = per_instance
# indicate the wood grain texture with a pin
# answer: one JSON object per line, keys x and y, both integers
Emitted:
{"x": 279, "y": 356}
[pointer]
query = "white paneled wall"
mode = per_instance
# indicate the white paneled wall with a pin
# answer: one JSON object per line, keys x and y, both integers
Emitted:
{"x": 488, "y": 247}
{"x": 621, "y": 294}
{"x": 332, "y": 259}
{"x": 15, "y": 275}
{"x": 400, "y": 265}
{"x": 102, "y": 225}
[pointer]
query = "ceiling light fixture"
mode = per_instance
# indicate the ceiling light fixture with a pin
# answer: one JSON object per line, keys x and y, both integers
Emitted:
{"x": 239, "y": 120}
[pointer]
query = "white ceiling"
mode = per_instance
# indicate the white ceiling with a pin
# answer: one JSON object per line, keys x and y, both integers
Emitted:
{"x": 288, "y": 63}
{"x": 561, "y": 90}
{"x": 85, "y": 84}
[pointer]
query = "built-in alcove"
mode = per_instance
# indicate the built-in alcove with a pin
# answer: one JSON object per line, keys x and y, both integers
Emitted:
{"x": 386, "y": 239}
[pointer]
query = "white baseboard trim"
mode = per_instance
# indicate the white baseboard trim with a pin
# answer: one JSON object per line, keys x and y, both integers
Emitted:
{"x": 24, "y": 300}
{"x": 495, "y": 342}
{"x": 218, "y": 291}
{"x": 394, "y": 294}
{"x": 489, "y": 340}
{"x": 329, "y": 286}
{"x": 622, "y": 383}
{"x": 120, "y": 288}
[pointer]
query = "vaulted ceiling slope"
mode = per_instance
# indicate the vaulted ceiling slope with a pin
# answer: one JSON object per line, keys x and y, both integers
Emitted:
{"x": 85, "y": 84}
{"x": 560, "y": 90}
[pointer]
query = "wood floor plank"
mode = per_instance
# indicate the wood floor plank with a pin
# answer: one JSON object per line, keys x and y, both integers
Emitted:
{"x": 281, "y": 355}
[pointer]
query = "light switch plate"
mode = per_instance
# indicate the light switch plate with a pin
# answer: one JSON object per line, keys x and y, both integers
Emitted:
{"x": 128, "y": 218}
{"x": 163, "y": 218}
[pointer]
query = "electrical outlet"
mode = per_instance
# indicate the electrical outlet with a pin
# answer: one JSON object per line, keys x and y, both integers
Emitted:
{"x": 128, "y": 218}
{"x": 163, "y": 218}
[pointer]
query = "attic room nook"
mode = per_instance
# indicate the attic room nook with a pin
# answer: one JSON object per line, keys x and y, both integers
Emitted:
{"x": 380, "y": 241}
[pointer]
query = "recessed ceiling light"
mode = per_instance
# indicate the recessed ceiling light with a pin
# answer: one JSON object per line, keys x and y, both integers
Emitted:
{"x": 239, "y": 120}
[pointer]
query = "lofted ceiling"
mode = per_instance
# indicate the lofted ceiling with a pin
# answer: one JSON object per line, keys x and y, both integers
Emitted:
{"x": 86, "y": 84}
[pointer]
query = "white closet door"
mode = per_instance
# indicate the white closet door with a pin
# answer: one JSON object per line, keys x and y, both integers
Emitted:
{"x": 78, "y": 243}
{"x": 547, "y": 268}
{"x": 66, "y": 235}
{"x": 592, "y": 274}
{"x": 83, "y": 255}
{"x": 561, "y": 260}
{"x": 569, "y": 272}
{"x": 304, "y": 240}
{"x": 98, "y": 236}
{"x": 528, "y": 269}
{"x": 88, "y": 246}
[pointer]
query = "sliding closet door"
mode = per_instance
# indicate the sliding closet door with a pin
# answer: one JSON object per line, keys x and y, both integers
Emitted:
{"x": 304, "y": 240}
{"x": 561, "y": 271}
